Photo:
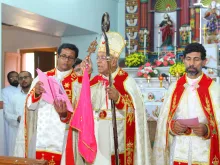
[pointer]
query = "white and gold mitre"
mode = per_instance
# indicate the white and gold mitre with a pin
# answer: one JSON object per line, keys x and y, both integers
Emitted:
{"x": 116, "y": 44}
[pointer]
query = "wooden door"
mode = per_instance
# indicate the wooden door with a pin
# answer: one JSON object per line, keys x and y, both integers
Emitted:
{"x": 44, "y": 61}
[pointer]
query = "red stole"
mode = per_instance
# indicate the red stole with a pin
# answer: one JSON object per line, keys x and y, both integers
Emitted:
{"x": 66, "y": 82}
{"x": 206, "y": 103}
{"x": 126, "y": 158}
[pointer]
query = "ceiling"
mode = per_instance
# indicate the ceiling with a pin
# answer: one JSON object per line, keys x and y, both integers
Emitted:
{"x": 15, "y": 17}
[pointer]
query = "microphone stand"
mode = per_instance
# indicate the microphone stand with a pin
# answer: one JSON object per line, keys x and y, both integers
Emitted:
{"x": 216, "y": 69}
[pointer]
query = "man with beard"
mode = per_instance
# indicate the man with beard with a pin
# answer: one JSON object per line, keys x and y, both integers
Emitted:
{"x": 7, "y": 94}
{"x": 14, "y": 111}
{"x": 194, "y": 95}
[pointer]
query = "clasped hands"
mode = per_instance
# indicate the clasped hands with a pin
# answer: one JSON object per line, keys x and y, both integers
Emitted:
{"x": 200, "y": 130}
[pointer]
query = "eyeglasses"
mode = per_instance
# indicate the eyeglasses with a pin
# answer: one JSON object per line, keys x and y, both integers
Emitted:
{"x": 21, "y": 78}
{"x": 69, "y": 58}
{"x": 13, "y": 77}
{"x": 101, "y": 58}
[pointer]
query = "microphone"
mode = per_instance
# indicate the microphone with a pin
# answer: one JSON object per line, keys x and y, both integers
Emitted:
{"x": 207, "y": 67}
{"x": 165, "y": 76}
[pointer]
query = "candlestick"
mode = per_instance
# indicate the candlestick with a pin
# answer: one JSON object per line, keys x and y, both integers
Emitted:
{"x": 175, "y": 44}
{"x": 145, "y": 38}
{"x": 161, "y": 81}
{"x": 190, "y": 37}
{"x": 148, "y": 80}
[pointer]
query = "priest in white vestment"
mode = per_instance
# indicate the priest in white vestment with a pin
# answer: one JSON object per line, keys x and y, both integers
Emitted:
{"x": 43, "y": 126}
{"x": 7, "y": 94}
{"x": 133, "y": 136}
{"x": 194, "y": 95}
{"x": 14, "y": 111}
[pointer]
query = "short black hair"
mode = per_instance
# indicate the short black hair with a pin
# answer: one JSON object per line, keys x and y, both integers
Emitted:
{"x": 9, "y": 73}
{"x": 29, "y": 73}
{"x": 78, "y": 61}
{"x": 68, "y": 46}
{"x": 195, "y": 47}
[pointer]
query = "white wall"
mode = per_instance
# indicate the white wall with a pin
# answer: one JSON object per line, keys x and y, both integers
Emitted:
{"x": 16, "y": 38}
{"x": 85, "y": 14}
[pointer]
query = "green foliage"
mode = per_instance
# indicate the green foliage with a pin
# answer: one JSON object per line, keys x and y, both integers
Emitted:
{"x": 135, "y": 59}
{"x": 177, "y": 69}
{"x": 161, "y": 5}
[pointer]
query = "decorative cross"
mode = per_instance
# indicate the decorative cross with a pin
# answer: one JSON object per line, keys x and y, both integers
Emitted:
{"x": 92, "y": 47}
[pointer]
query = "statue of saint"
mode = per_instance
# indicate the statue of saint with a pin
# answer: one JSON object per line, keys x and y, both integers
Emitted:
{"x": 212, "y": 15}
{"x": 166, "y": 27}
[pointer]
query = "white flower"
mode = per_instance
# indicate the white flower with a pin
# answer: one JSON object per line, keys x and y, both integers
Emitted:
{"x": 155, "y": 71}
{"x": 161, "y": 59}
{"x": 148, "y": 68}
{"x": 142, "y": 71}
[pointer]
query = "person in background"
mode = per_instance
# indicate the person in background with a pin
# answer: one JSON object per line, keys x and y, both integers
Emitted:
{"x": 77, "y": 67}
{"x": 194, "y": 95}
{"x": 7, "y": 94}
{"x": 14, "y": 111}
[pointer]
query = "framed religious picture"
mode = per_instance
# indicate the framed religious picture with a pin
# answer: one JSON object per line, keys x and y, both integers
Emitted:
{"x": 212, "y": 55}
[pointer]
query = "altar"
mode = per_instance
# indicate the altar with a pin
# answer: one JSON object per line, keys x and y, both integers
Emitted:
{"x": 157, "y": 31}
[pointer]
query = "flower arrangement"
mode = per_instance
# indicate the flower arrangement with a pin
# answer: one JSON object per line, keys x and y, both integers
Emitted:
{"x": 178, "y": 69}
{"x": 147, "y": 70}
{"x": 167, "y": 60}
{"x": 135, "y": 59}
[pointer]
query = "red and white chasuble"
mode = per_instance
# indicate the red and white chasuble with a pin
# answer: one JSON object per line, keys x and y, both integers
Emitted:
{"x": 133, "y": 139}
{"x": 42, "y": 131}
{"x": 171, "y": 148}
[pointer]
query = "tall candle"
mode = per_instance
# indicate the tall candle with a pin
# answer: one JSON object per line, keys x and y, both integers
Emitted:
{"x": 175, "y": 44}
{"x": 190, "y": 37}
{"x": 145, "y": 39}
{"x": 158, "y": 44}
{"x": 129, "y": 42}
